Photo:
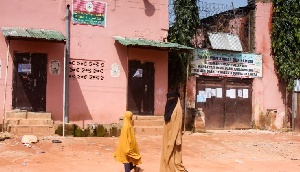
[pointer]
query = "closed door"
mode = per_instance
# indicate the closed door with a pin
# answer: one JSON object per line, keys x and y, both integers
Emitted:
{"x": 29, "y": 81}
{"x": 141, "y": 87}
{"x": 226, "y": 102}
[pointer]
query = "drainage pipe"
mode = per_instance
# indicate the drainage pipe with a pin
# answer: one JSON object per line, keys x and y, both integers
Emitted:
{"x": 66, "y": 72}
{"x": 5, "y": 86}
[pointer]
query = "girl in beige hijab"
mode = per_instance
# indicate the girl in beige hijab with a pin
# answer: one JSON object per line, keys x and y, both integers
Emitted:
{"x": 127, "y": 151}
{"x": 171, "y": 155}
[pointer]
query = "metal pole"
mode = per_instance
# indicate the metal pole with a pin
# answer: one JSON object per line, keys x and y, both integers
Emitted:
{"x": 295, "y": 110}
{"x": 127, "y": 71}
{"x": 64, "y": 90}
{"x": 5, "y": 87}
{"x": 66, "y": 72}
{"x": 185, "y": 93}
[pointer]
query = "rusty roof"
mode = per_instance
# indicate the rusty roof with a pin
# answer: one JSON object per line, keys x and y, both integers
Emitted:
{"x": 33, "y": 34}
{"x": 225, "y": 41}
{"x": 139, "y": 42}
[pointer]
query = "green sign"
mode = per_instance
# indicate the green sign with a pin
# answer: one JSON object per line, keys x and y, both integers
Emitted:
{"x": 89, "y": 12}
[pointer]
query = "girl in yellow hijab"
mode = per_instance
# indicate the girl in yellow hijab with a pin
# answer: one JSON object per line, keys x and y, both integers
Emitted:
{"x": 127, "y": 151}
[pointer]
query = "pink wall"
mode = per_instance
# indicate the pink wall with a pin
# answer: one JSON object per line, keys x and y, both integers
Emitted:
{"x": 266, "y": 93}
{"x": 90, "y": 101}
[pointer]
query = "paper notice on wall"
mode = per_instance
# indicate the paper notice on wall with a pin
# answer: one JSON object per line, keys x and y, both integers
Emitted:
{"x": 245, "y": 93}
{"x": 227, "y": 93}
{"x": 201, "y": 97}
{"x": 214, "y": 92}
{"x": 240, "y": 93}
{"x": 231, "y": 93}
{"x": 54, "y": 67}
{"x": 219, "y": 92}
{"x": 208, "y": 92}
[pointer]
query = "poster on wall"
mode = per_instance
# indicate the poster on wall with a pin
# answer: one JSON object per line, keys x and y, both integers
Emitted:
{"x": 201, "y": 97}
{"x": 89, "y": 12}
{"x": 219, "y": 92}
{"x": 238, "y": 65}
{"x": 54, "y": 67}
{"x": 115, "y": 70}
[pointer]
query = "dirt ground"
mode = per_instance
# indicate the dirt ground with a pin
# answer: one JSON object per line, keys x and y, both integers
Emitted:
{"x": 213, "y": 151}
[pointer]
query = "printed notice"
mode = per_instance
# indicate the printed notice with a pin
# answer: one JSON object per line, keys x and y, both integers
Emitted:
{"x": 240, "y": 93}
{"x": 208, "y": 92}
{"x": 201, "y": 98}
{"x": 214, "y": 92}
{"x": 219, "y": 92}
{"x": 231, "y": 93}
{"x": 245, "y": 93}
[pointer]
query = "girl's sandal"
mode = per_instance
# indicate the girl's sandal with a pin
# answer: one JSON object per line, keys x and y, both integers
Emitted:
{"x": 137, "y": 169}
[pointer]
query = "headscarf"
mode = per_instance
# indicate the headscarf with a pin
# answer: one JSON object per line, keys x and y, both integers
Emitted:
{"x": 172, "y": 98}
{"x": 127, "y": 150}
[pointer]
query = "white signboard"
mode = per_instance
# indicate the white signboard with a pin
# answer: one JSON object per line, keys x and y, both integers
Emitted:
{"x": 238, "y": 65}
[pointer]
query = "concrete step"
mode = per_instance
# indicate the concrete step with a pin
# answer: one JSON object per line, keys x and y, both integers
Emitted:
{"x": 29, "y": 122}
{"x": 16, "y": 115}
{"x": 141, "y": 117}
{"x": 148, "y": 122}
{"x": 150, "y": 125}
{"x": 38, "y": 130}
{"x": 27, "y": 115}
{"x": 38, "y": 115}
{"x": 20, "y": 122}
{"x": 148, "y": 130}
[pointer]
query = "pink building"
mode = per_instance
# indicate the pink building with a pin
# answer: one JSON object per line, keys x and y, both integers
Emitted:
{"x": 117, "y": 58}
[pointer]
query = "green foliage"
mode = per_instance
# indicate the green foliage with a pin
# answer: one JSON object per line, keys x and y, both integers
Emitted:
{"x": 286, "y": 39}
{"x": 182, "y": 31}
{"x": 114, "y": 131}
{"x": 100, "y": 131}
{"x": 69, "y": 129}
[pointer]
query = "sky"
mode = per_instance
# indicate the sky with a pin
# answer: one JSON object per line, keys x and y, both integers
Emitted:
{"x": 211, "y": 11}
{"x": 236, "y": 3}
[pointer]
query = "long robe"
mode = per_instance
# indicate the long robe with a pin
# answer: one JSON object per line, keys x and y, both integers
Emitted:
{"x": 171, "y": 155}
{"x": 127, "y": 150}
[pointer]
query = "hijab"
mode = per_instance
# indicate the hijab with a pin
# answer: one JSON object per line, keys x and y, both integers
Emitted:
{"x": 127, "y": 150}
{"x": 172, "y": 99}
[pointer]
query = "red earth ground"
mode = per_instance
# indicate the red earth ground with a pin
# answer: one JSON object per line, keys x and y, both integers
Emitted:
{"x": 213, "y": 151}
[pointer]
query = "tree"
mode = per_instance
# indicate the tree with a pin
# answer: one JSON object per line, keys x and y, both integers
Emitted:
{"x": 182, "y": 31}
{"x": 286, "y": 39}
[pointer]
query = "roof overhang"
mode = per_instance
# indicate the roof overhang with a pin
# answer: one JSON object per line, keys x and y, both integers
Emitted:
{"x": 144, "y": 43}
{"x": 32, "y": 34}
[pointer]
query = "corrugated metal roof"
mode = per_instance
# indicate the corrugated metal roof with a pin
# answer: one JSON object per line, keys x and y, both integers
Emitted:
{"x": 225, "y": 41}
{"x": 139, "y": 42}
{"x": 29, "y": 33}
